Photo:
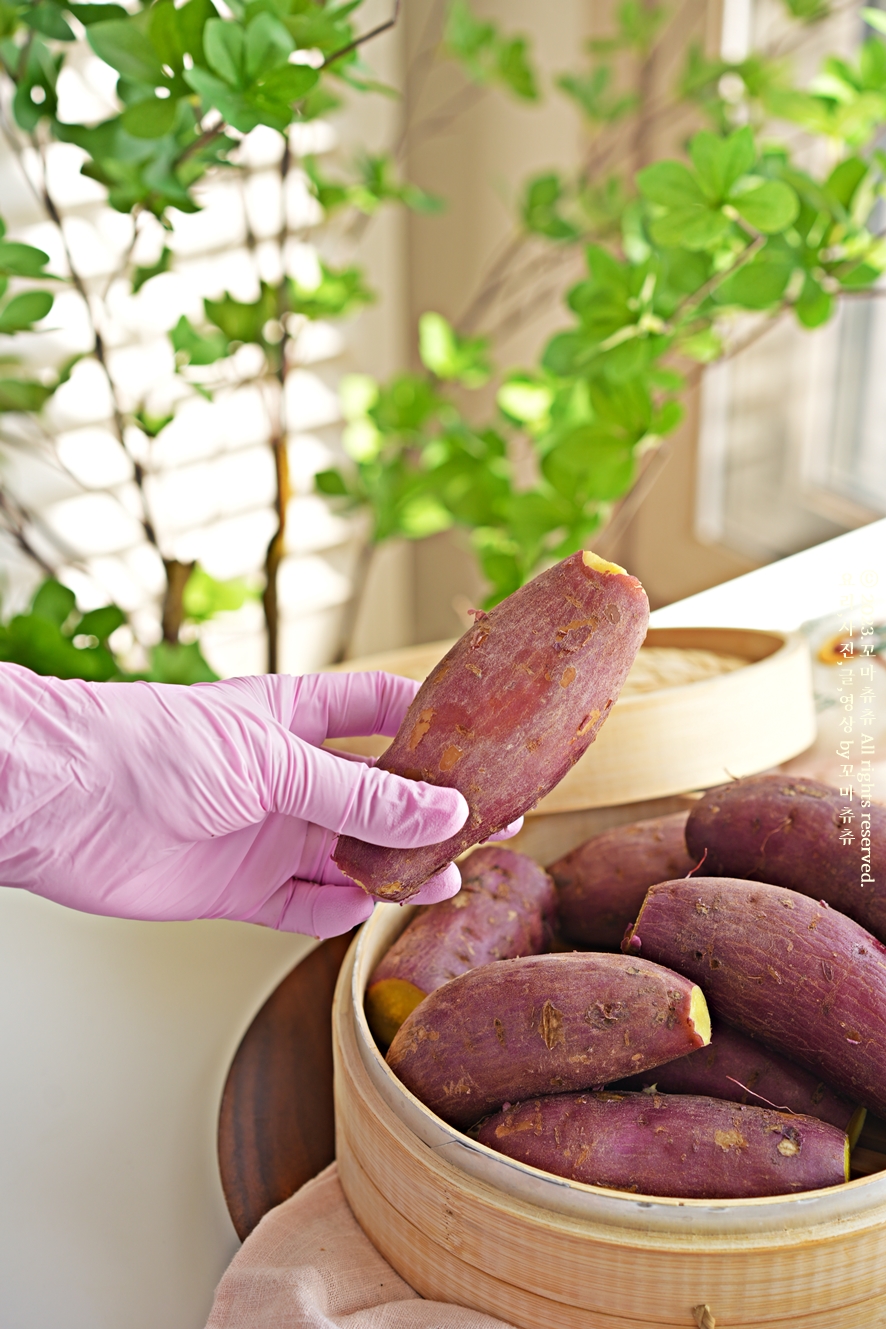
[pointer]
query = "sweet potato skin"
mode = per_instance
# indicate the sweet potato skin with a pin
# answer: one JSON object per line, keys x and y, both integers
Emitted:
{"x": 790, "y": 971}
{"x": 507, "y": 712}
{"x": 544, "y": 1024}
{"x": 677, "y": 1145}
{"x": 602, "y": 883}
{"x": 786, "y": 831}
{"x": 741, "y": 1070}
{"x": 505, "y": 909}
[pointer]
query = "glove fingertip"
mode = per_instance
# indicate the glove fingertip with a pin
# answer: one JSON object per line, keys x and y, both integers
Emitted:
{"x": 442, "y": 887}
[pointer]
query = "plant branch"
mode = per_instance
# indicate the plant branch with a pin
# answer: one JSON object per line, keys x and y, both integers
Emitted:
{"x": 15, "y": 519}
{"x": 98, "y": 350}
{"x": 366, "y": 37}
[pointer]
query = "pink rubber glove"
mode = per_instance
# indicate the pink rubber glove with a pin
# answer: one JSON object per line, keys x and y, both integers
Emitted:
{"x": 154, "y": 801}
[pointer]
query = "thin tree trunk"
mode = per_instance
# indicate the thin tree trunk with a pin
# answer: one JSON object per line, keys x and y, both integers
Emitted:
{"x": 177, "y": 575}
{"x": 276, "y": 549}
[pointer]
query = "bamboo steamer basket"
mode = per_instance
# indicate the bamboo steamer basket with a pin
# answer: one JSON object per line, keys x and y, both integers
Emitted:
{"x": 461, "y": 1223}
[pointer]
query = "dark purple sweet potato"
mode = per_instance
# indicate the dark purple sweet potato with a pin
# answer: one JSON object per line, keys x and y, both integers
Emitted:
{"x": 503, "y": 910}
{"x": 788, "y": 970}
{"x": 787, "y": 831}
{"x": 601, "y": 884}
{"x": 671, "y": 1144}
{"x": 509, "y": 710}
{"x": 741, "y": 1070}
{"x": 543, "y": 1025}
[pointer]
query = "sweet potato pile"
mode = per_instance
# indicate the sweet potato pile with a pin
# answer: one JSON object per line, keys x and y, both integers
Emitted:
{"x": 601, "y": 1064}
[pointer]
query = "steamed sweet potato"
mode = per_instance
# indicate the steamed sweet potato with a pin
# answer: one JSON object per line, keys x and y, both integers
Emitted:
{"x": 543, "y": 1025}
{"x": 601, "y": 884}
{"x": 791, "y": 832}
{"x": 670, "y": 1144}
{"x": 509, "y": 710}
{"x": 741, "y": 1070}
{"x": 503, "y": 910}
{"x": 788, "y": 970}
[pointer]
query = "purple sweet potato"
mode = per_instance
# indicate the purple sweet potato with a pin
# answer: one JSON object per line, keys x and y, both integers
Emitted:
{"x": 671, "y": 1144}
{"x": 741, "y": 1070}
{"x": 601, "y": 884}
{"x": 790, "y": 971}
{"x": 503, "y": 910}
{"x": 509, "y": 710}
{"x": 787, "y": 831}
{"x": 545, "y": 1024}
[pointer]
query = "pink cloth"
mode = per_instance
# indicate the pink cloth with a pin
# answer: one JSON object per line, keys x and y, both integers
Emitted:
{"x": 147, "y": 800}
{"x": 308, "y": 1265}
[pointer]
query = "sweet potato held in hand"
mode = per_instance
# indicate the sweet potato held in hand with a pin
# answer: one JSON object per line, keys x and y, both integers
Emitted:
{"x": 503, "y": 910}
{"x": 671, "y": 1144}
{"x": 514, "y": 704}
{"x": 545, "y": 1024}
{"x": 788, "y": 970}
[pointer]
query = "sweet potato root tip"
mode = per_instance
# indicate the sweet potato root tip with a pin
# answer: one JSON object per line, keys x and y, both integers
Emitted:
{"x": 388, "y": 1003}
{"x": 592, "y": 560}
{"x": 700, "y": 1016}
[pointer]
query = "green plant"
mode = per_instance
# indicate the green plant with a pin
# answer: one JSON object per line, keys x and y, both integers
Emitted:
{"x": 675, "y": 249}
{"x": 674, "y": 252}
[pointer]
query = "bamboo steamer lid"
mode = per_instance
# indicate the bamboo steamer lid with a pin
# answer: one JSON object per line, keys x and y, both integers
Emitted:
{"x": 463, "y": 1224}
{"x": 700, "y": 706}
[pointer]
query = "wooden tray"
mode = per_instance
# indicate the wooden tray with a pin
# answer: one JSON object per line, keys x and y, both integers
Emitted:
{"x": 660, "y": 743}
{"x": 461, "y": 1223}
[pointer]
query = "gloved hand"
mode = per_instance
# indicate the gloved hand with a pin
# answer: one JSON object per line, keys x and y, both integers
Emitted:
{"x": 155, "y": 801}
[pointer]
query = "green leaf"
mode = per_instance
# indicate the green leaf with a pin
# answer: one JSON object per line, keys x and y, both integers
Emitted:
{"x": 179, "y": 663}
{"x": 224, "y": 44}
{"x": 215, "y": 92}
{"x": 703, "y": 346}
{"x": 759, "y": 284}
{"x": 53, "y": 602}
{"x": 100, "y": 623}
{"x": 331, "y": 483}
{"x": 720, "y": 162}
{"x": 289, "y": 83}
{"x": 47, "y": 18}
{"x": 144, "y": 274}
{"x": 845, "y": 178}
{"x": 204, "y": 597}
{"x": 515, "y": 70}
{"x": 123, "y": 45}
{"x": 589, "y": 464}
{"x": 875, "y": 18}
{"x": 452, "y": 357}
{"x": 23, "y": 395}
{"x": 340, "y": 292}
{"x": 694, "y": 228}
{"x": 770, "y": 207}
{"x": 195, "y": 348}
{"x": 18, "y": 260}
{"x": 671, "y": 184}
{"x": 268, "y": 44}
{"x": 152, "y": 118}
{"x": 97, "y": 13}
{"x": 540, "y": 209}
{"x": 466, "y": 36}
{"x": 814, "y": 305}
{"x": 24, "y": 310}
{"x": 525, "y": 402}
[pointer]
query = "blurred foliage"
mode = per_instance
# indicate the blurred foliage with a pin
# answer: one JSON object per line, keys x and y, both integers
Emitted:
{"x": 672, "y": 254}
{"x": 737, "y": 226}
{"x": 56, "y": 638}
